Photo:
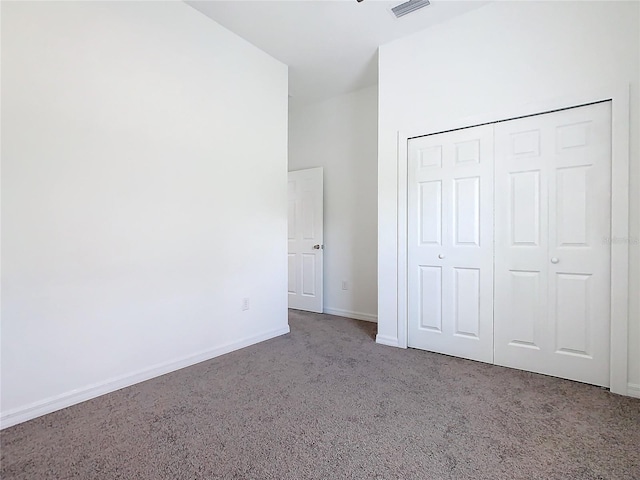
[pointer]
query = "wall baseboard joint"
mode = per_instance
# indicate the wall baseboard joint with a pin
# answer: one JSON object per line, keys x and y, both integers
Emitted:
{"x": 389, "y": 341}
{"x": 73, "y": 397}
{"x": 367, "y": 317}
{"x": 633, "y": 390}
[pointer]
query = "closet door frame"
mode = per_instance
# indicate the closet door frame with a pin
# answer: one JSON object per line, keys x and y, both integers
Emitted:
{"x": 619, "y": 97}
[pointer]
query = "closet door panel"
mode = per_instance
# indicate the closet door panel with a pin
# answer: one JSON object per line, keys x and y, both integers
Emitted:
{"x": 450, "y": 243}
{"x": 552, "y": 193}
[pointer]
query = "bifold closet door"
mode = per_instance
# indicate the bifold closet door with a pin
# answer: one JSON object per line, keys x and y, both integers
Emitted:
{"x": 552, "y": 257}
{"x": 450, "y": 243}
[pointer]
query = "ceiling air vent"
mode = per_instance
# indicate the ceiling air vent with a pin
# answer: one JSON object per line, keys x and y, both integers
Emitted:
{"x": 408, "y": 7}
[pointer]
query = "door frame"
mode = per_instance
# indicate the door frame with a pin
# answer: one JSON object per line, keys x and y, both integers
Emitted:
{"x": 619, "y": 97}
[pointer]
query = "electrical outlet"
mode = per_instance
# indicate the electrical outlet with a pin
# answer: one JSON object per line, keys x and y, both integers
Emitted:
{"x": 345, "y": 285}
{"x": 245, "y": 303}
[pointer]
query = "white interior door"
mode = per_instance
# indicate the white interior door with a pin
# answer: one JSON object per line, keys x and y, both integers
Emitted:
{"x": 450, "y": 243}
{"x": 305, "y": 254}
{"x": 552, "y": 270}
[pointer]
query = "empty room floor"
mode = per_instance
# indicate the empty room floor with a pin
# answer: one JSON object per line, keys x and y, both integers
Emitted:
{"x": 326, "y": 401}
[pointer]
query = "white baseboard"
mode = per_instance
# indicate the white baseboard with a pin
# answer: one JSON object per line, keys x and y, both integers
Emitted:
{"x": 389, "y": 341}
{"x": 367, "y": 317}
{"x": 67, "y": 399}
{"x": 633, "y": 390}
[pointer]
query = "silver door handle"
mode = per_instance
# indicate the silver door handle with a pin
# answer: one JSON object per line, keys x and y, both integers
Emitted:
{"x": 441, "y": 256}
{"x": 555, "y": 259}
{"x": 318, "y": 247}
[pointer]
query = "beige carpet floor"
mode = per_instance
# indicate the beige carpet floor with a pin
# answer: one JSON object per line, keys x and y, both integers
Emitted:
{"x": 326, "y": 402}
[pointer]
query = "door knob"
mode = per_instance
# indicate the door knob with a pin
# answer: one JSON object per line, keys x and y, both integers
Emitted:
{"x": 318, "y": 247}
{"x": 555, "y": 259}
{"x": 441, "y": 256}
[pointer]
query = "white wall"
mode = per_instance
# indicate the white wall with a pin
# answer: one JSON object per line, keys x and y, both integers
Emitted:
{"x": 340, "y": 134}
{"x": 143, "y": 196}
{"x": 502, "y": 55}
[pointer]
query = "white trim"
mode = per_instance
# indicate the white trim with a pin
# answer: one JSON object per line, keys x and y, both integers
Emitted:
{"x": 367, "y": 317}
{"x": 619, "y": 251}
{"x": 403, "y": 221}
{"x": 58, "y": 402}
{"x": 619, "y": 96}
{"x": 633, "y": 390}
{"x": 385, "y": 340}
